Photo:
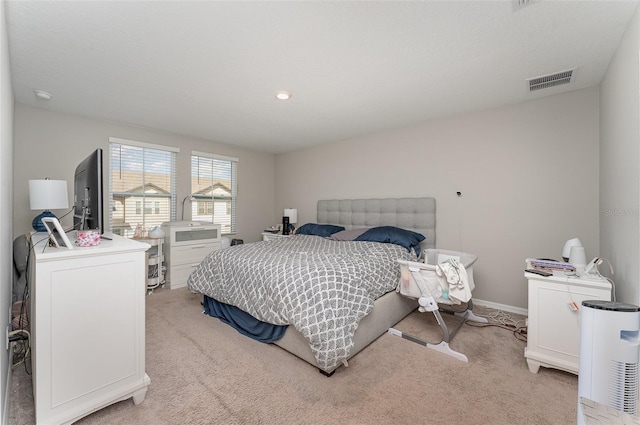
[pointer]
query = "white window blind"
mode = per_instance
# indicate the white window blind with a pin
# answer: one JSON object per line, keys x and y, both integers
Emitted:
{"x": 214, "y": 190}
{"x": 142, "y": 188}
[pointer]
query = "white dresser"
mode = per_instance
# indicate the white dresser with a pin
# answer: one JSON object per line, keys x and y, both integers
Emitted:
{"x": 87, "y": 327}
{"x": 553, "y": 334}
{"x": 187, "y": 243}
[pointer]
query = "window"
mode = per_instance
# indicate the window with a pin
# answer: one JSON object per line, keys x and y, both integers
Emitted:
{"x": 214, "y": 190}
{"x": 142, "y": 188}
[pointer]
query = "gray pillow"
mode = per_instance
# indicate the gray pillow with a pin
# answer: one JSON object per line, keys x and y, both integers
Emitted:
{"x": 348, "y": 235}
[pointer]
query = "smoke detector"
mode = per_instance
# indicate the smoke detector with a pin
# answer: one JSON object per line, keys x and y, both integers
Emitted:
{"x": 546, "y": 81}
{"x": 41, "y": 94}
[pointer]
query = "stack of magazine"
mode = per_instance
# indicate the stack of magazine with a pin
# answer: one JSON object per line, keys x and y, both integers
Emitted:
{"x": 550, "y": 266}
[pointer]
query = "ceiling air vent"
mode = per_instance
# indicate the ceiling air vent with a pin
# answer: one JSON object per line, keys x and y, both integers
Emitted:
{"x": 519, "y": 4}
{"x": 546, "y": 81}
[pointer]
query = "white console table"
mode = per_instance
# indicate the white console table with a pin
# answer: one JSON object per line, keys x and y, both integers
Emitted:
{"x": 553, "y": 334}
{"x": 87, "y": 327}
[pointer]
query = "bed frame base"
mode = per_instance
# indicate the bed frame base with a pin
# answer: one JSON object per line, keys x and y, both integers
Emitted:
{"x": 327, "y": 374}
{"x": 447, "y": 336}
{"x": 387, "y": 311}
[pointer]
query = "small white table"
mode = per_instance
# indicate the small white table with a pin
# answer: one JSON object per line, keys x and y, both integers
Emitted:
{"x": 155, "y": 263}
{"x": 553, "y": 334}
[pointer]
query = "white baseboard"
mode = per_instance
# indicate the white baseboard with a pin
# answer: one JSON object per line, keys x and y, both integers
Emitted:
{"x": 503, "y": 307}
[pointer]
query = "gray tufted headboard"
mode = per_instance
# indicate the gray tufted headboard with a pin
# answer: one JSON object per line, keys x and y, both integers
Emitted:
{"x": 417, "y": 214}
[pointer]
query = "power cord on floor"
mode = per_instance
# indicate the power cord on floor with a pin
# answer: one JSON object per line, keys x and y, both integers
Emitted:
{"x": 502, "y": 320}
{"x": 20, "y": 340}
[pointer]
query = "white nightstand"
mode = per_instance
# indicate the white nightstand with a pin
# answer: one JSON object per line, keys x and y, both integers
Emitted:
{"x": 267, "y": 236}
{"x": 553, "y": 334}
{"x": 187, "y": 244}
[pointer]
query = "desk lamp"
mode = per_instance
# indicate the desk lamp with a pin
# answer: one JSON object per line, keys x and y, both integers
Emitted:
{"x": 47, "y": 195}
{"x": 289, "y": 218}
{"x": 566, "y": 251}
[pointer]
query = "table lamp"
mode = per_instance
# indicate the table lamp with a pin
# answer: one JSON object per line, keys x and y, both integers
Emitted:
{"x": 47, "y": 195}
{"x": 290, "y": 217}
{"x": 578, "y": 258}
{"x": 566, "y": 250}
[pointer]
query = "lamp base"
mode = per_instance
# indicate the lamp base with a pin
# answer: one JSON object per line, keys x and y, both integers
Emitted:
{"x": 37, "y": 221}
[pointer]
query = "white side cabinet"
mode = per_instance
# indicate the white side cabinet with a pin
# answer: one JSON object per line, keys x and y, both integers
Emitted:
{"x": 187, "y": 243}
{"x": 87, "y": 327}
{"x": 553, "y": 334}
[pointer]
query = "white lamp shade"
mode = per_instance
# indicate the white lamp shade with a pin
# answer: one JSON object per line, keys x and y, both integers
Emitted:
{"x": 578, "y": 257}
{"x": 48, "y": 194}
{"x": 292, "y": 213}
{"x": 566, "y": 251}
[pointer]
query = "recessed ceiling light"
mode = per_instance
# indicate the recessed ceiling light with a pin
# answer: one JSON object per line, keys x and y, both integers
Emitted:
{"x": 41, "y": 94}
{"x": 283, "y": 95}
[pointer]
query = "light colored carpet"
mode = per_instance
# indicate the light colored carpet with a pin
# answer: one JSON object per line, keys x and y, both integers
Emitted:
{"x": 204, "y": 372}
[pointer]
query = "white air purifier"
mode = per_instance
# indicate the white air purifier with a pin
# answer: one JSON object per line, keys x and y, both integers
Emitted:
{"x": 609, "y": 354}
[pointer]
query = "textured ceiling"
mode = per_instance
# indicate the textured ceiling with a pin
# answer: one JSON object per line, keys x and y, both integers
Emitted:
{"x": 211, "y": 69}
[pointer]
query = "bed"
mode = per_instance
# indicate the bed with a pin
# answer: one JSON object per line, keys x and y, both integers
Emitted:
{"x": 364, "y": 316}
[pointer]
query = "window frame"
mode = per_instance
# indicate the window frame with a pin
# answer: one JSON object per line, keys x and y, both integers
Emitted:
{"x": 231, "y": 201}
{"x": 146, "y": 201}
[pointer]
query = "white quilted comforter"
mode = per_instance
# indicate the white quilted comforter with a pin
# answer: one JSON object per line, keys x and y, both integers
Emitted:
{"x": 322, "y": 287}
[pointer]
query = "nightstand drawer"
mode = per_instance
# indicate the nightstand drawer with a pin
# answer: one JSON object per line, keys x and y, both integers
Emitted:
{"x": 192, "y": 253}
{"x": 178, "y": 275}
{"x": 267, "y": 236}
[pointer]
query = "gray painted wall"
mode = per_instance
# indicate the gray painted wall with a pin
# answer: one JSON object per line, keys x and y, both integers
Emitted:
{"x": 49, "y": 144}
{"x": 619, "y": 170}
{"x": 528, "y": 174}
{"x": 6, "y": 209}
{"x": 500, "y": 159}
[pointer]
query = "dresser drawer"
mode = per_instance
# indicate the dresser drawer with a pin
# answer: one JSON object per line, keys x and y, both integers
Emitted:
{"x": 191, "y": 254}
{"x": 194, "y": 234}
{"x": 178, "y": 275}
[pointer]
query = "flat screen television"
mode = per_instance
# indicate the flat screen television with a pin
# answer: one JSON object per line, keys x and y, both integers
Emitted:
{"x": 87, "y": 193}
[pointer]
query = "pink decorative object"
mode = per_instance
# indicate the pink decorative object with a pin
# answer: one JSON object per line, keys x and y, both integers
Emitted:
{"x": 88, "y": 238}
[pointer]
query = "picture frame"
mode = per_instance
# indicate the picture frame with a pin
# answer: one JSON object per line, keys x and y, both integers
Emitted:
{"x": 57, "y": 236}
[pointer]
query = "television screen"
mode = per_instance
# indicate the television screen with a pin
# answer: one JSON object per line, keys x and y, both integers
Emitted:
{"x": 87, "y": 193}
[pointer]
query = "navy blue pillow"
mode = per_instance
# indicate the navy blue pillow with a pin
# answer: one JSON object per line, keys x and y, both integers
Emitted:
{"x": 324, "y": 230}
{"x": 395, "y": 235}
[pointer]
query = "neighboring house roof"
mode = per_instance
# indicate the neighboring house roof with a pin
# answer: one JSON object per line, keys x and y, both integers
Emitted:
{"x": 210, "y": 189}
{"x": 147, "y": 188}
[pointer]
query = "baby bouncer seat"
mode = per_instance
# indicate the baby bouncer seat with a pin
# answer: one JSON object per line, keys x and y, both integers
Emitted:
{"x": 444, "y": 282}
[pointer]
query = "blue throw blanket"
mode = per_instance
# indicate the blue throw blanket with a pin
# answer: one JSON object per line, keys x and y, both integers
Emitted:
{"x": 243, "y": 322}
